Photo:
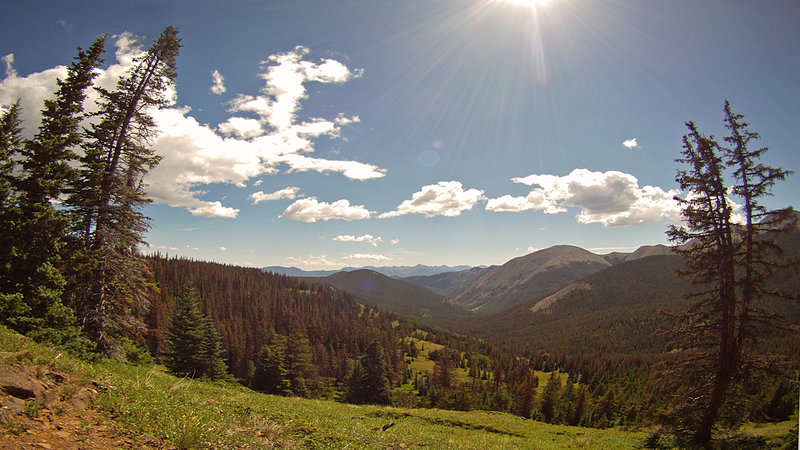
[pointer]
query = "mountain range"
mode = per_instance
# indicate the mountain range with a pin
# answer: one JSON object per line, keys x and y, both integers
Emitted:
{"x": 395, "y": 295}
{"x": 493, "y": 289}
{"x": 389, "y": 271}
{"x": 448, "y": 297}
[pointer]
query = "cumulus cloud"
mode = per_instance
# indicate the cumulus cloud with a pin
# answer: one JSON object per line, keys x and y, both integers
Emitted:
{"x": 630, "y": 143}
{"x": 287, "y": 193}
{"x": 210, "y": 209}
{"x": 312, "y": 261}
{"x": 223, "y": 249}
{"x": 367, "y": 257}
{"x": 395, "y": 241}
{"x": 218, "y": 86}
{"x": 263, "y": 134}
{"x": 611, "y": 198}
{"x": 367, "y": 238}
{"x": 446, "y": 198}
{"x": 310, "y": 210}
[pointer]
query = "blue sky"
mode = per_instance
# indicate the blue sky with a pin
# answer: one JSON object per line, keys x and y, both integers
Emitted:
{"x": 323, "y": 134}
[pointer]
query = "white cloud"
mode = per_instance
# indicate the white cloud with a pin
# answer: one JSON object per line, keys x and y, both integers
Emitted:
{"x": 287, "y": 193}
{"x": 219, "y": 83}
{"x": 210, "y": 209}
{"x": 395, "y": 241}
{"x": 223, "y": 249}
{"x": 241, "y": 127}
{"x": 367, "y": 257}
{"x": 446, "y": 198}
{"x": 367, "y": 238}
{"x": 236, "y": 150}
{"x": 630, "y": 143}
{"x": 310, "y": 210}
{"x": 10, "y": 71}
{"x": 312, "y": 261}
{"x": 611, "y": 198}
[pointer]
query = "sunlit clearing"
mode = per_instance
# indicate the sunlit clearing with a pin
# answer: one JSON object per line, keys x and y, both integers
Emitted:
{"x": 527, "y": 3}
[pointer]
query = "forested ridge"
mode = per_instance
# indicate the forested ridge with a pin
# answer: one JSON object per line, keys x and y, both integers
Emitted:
{"x": 246, "y": 302}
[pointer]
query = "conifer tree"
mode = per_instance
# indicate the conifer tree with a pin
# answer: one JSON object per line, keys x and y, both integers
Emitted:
{"x": 550, "y": 396}
{"x": 194, "y": 346}
{"x": 730, "y": 263}
{"x": 34, "y": 230}
{"x": 12, "y": 305}
{"x": 300, "y": 368}
{"x": 355, "y": 393}
{"x": 10, "y": 150}
{"x": 369, "y": 382}
{"x": 526, "y": 393}
{"x": 110, "y": 287}
{"x": 271, "y": 375}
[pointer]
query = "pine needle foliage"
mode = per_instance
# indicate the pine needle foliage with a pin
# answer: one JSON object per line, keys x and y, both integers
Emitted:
{"x": 727, "y": 241}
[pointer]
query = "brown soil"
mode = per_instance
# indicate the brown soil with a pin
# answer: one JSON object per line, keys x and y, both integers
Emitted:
{"x": 44, "y": 409}
{"x": 70, "y": 429}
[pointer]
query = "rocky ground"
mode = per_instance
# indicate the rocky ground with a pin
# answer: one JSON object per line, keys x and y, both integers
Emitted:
{"x": 43, "y": 409}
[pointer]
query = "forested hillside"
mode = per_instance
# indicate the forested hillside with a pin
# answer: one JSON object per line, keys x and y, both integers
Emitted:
{"x": 246, "y": 302}
{"x": 399, "y": 296}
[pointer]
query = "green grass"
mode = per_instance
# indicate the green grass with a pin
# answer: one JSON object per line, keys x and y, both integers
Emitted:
{"x": 198, "y": 414}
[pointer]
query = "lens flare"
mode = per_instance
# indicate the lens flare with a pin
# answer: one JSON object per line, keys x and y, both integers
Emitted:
{"x": 527, "y": 3}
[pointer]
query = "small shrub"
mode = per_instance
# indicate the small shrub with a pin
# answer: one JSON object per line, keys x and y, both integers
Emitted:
{"x": 32, "y": 408}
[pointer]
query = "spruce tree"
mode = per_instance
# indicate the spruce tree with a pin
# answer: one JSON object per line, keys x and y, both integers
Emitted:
{"x": 194, "y": 347}
{"x": 730, "y": 264}
{"x": 34, "y": 229}
{"x": 184, "y": 336}
{"x": 301, "y": 371}
{"x": 12, "y": 305}
{"x": 110, "y": 286}
{"x": 550, "y": 397}
{"x": 369, "y": 382}
{"x": 271, "y": 375}
{"x": 526, "y": 393}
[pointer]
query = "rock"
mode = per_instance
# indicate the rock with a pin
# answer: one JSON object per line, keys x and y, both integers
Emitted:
{"x": 82, "y": 398}
{"x": 59, "y": 378}
{"x": 12, "y": 404}
{"x": 16, "y": 381}
{"x": 18, "y": 356}
{"x": 63, "y": 435}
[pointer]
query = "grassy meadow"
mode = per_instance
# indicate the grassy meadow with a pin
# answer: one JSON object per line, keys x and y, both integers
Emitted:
{"x": 198, "y": 414}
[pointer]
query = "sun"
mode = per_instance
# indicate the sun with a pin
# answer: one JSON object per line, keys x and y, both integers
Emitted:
{"x": 528, "y": 3}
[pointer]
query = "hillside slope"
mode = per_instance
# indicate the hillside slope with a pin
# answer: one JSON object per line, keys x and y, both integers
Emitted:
{"x": 449, "y": 283}
{"x": 398, "y": 296}
{"x": 152, "y": 409}
{"x": 614, "y": 311}
{"x": 528, "y": 276}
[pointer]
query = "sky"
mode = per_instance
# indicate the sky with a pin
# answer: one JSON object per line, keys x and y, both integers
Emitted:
{"x": 324, "y": 134}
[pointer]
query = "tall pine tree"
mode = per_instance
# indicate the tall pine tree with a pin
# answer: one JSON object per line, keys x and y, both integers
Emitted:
{"x": 110, "y": 288}
{"x": 730, "y": 263}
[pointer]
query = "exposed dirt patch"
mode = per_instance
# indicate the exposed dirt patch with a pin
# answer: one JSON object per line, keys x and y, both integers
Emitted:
{"x": 42, "y": 409}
